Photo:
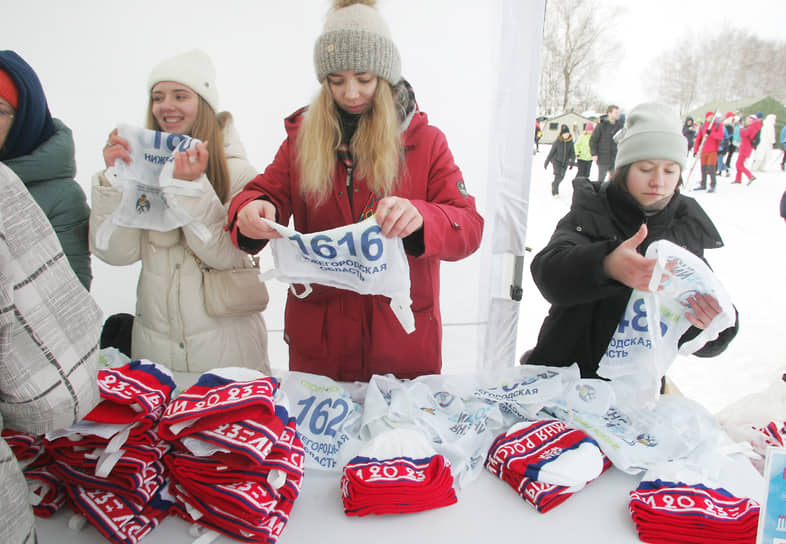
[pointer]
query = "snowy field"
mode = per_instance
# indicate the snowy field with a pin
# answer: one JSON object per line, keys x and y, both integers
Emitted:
{"x": 751, "y": 266}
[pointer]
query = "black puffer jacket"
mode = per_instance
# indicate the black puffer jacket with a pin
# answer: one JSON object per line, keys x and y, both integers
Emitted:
{"x": 602, "y": 144}
{"x": 562, "y": 154}
{"x": 586, "y": 304}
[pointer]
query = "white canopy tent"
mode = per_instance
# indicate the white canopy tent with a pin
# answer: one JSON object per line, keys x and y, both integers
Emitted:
{"x": 474, "y": 67}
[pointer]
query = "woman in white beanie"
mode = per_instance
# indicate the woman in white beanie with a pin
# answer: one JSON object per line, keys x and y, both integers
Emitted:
{"x": 595, "y": 258}
{"x": 363, "y": 148}
{"x": 171, "y": 325}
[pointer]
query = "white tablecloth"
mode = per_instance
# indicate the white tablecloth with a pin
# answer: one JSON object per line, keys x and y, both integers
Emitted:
{"x": 488, "y": 510}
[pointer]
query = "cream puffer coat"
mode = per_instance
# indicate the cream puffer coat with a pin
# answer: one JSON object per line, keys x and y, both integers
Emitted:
{"x": 171, "y": 325}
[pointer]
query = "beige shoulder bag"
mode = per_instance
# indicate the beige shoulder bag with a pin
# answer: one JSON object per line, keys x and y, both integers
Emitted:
{"x": 234, "y": 292}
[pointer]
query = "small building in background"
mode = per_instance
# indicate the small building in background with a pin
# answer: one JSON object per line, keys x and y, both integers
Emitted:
{"x": 574, "y": 121}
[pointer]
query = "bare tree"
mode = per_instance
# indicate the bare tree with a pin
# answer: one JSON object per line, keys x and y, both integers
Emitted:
{"x": 730, "y": 65}
{"x": 673, "y": 79}
{"x": 577, "y": 44}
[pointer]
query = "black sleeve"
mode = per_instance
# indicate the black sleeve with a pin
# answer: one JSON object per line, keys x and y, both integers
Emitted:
{"x": 717, "y": 346}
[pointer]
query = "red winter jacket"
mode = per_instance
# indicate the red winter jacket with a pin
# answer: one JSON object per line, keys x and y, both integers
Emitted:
{"x": 714, "y": 138}
{"x": 746, "y": 137}
{"x": 345, "y": 335}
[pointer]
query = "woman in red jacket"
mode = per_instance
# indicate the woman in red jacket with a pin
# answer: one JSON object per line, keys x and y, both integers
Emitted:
{"x": 752, "y": 126}
{"x": 363, "y": 148}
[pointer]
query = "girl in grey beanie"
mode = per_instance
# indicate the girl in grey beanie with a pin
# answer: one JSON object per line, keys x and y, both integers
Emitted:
{"x": 595, "y": 258}
{"x": 363, "y": 149}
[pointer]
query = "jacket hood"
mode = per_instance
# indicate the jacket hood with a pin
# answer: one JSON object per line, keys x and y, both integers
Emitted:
{"x": 32, "y": 123}
{"x": 52, "y": 159}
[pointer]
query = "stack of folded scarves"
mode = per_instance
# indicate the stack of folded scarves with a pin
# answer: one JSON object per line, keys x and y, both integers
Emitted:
{"x": 676, "y": 512}
{"x": 111, "y": 462}
{"x": 237, "y": 463}
{"x": 545, "y": 461}
{"x": 47, "y": 494}
{"x": 397, "y": 472}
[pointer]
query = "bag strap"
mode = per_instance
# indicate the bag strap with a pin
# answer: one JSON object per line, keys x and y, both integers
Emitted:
{"x": 253, "y": 259}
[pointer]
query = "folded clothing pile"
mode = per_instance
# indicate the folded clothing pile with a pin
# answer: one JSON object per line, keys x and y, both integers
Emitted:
{"x": 397, "y": 472}
{"x": 111, "y": 462}
{"x": 676, "y": 512}
{"x": 46, "y": 492}
{"x": 237, "y": 463}
{"x": 545, "y": 461}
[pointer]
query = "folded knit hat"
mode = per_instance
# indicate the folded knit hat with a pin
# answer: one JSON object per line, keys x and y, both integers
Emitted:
{"x": 653, "y": 131}
{"x": 356, "y": 37}
{"x": 193, "y": 68}
{"x": 8, "y": 91}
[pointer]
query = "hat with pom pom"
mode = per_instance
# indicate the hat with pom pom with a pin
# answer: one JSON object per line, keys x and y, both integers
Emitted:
{"x": 356, "y": 37}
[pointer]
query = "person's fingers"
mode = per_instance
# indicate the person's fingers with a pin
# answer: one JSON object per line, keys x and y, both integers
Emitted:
{"x": 250, "y": 223}
{"x": 637, "y": 239}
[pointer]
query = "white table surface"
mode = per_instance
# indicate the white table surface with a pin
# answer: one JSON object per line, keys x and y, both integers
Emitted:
{"x": 488, "y": 510}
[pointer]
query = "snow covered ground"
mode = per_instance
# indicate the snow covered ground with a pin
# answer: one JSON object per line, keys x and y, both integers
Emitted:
{"x": 751, "y": 266}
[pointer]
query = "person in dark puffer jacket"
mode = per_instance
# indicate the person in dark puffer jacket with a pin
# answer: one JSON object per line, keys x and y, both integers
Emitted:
{"x": 595, "y": 259}
{"x": 40, "y": 150}
{"x": 561, "y": 156}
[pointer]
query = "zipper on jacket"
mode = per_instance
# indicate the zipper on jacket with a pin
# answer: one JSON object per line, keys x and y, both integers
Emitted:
{"x": 349, "y": 185}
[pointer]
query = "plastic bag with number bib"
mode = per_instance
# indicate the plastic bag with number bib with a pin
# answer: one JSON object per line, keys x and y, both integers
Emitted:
{"x": 460, "y": 427}
{"x": 327, "y": 419}
{"x": 355, "y": 257}
{"x": 646, "y": 342}
{"x": 147, "y": 185}
{"x": 637, "y": 438}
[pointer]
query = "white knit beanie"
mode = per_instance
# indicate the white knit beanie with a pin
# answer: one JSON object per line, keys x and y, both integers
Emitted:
{"x": 193, "y": 68}
{"x": 356, "y": 37}
{"x": 652, "y": 131}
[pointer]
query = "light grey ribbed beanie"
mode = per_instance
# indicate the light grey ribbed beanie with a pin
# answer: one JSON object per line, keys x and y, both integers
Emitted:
{"x": 356, "y": 37}
{"x": 652, "y": 131}
{"x": 193, "y": 68}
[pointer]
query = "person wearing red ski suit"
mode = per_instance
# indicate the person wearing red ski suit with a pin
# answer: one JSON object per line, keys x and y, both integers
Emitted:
{"x": 708, "y": 140}
{"x": 746, "y": 148}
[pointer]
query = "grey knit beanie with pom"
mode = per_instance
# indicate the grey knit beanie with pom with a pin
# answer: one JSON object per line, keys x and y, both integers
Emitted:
{"x": 652, "y": 131}
{"x": 356, "y": 37}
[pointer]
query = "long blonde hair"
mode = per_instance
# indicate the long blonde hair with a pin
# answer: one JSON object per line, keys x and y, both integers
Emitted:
{"x": 376, "y": 145}
{"x": 207, "y": 127}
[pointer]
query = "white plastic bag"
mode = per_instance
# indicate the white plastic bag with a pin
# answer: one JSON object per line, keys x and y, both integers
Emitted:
{"x": 355, "y": 257}
{"x": 646, "y": 342}
{"x": 637, "y": 438}
{"x": 327, "y": 419}
{"x": 147, "y": 185}
{"x": 758, "y": 419}
{"x": 459, "y": 428}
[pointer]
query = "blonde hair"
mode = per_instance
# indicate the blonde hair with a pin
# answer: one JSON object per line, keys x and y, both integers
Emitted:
{"x": 375, "y": 146}
{"x": 208, "y": 126}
